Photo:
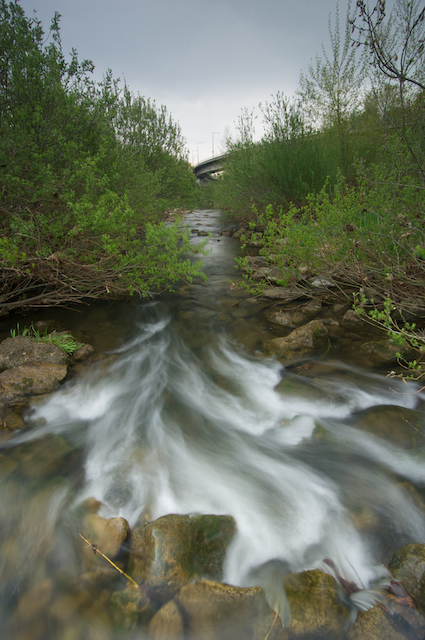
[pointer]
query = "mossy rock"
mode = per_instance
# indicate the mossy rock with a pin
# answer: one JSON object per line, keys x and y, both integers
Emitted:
{"x": 397, "y": 425}
{"x": 169, "y": 552}
{"x": 216, "y": 611}
{"x": 408, "y": 566}
{"x": 316, "y": 609}
{"x": 299, "y": 343}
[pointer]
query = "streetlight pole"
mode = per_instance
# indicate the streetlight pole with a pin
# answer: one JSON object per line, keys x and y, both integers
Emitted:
{"x": 214, "y": 132}
{"x": 197, "y": 144}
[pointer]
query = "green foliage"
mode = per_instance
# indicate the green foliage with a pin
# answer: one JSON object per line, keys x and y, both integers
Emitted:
{"x": 84, "y": 167}
{"x": 400, "y": 331}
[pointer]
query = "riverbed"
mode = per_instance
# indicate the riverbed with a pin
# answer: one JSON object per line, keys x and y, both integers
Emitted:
{"x": 187, "y": 414}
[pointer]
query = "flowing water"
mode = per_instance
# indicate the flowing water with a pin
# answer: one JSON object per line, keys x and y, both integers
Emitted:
{"x": 187, "y": 416}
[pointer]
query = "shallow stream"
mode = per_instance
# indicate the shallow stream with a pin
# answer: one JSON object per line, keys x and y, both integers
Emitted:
{"x": 187, "y": 415}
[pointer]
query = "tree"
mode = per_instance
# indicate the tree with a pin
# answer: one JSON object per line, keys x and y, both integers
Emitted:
{"x": 331, "y": 93}
{"x": 83, "y": 171}
{"x": 395, "y": 44}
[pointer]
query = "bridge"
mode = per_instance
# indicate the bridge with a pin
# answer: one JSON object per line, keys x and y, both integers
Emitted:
{"x": 206, "y": 168}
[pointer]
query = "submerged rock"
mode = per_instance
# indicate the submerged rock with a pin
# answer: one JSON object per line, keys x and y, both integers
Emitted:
{"x": 395, "y": 424}
{"x": 9, "y": 420}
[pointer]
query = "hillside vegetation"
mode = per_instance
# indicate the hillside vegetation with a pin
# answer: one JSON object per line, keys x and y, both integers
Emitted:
{"x": 337, "y": 183}
{"x": 87, "y": 171}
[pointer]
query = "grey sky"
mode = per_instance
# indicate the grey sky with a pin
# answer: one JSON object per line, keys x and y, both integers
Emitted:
{"x": 204, "y": 60}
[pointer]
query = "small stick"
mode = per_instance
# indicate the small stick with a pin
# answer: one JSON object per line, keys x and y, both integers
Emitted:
{"x": 95, "y": 550}
{"x": 270, "y": 630}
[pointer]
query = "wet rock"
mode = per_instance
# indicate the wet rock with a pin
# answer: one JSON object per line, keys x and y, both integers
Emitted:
{"x": 167, "y": 623}
{"x": 394, "y": 424}
{"x": 293, "y": 319}
{"x": 131, "y": 606}
{"x": 316, "y": 609}
{"x": 83, "y": 353}
{"x": 107, "y": 534}
{"x": 23, "y": 350}
{"x": 10, "y": 420}
{"x": 374, "y": 624}
{"x": 44, "y": 457}
{"x": 31, "y": 379}
{"x": 215, "y": 611}
{"x": 383, "y": 351}
{"x": 33, "y": 602}
{"x": 408, "y": 566}
{"x": 170, "y": 551}
{"x": 300, "y": 342}
{"x": 282, "y": 293}
{"x": 351, "y": 318}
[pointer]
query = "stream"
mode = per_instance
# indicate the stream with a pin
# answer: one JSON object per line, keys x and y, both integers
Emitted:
{"x": 187, "y": 415}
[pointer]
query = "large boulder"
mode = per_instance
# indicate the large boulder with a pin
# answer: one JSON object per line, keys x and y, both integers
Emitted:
{"x": 30, "y": 379}
{"x": 169, "y": 552}
{"x": 23, "y": 350}
{"x": 316, "y": 609}
{"x": 300, "y": 342}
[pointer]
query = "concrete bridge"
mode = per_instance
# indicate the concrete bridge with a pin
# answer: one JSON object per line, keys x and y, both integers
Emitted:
{"x": 206, "y": 168}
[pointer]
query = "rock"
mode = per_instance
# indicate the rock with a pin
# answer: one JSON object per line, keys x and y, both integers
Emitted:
{"x": 295, "y": 318}
{"x": 383, "y": 351}
{"x": 167, "y": 623}
{"x": 108, "y": 535}
{"x": 131, "y": 606}
{"x": 321, "y": 283}
{"x": 300, "y": 342}
{"x": 215, "y": 611}
{"x": 170, "y": 551}
{"x": 31, "y": 379}
{"x": 393, "y": 424}
{"x": 350, "y": 318}
{"x": 408, "y": 566}
{"x": 23, "y": 350}
{"x": 316, "y": 609}
{"x": 282, "y": 293}
{"x": 84, "y": 352}
{"x": 44, "y": 457}
{"x": 10, "y": 420}
{"x": 374, "y": 624}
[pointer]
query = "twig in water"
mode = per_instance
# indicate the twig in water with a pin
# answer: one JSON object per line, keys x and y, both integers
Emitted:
{"x": 270, "y": 630}
{"x": 95, "y": 550}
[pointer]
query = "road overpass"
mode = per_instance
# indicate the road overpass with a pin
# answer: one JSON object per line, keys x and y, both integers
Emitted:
{"x": 206, "y": 168}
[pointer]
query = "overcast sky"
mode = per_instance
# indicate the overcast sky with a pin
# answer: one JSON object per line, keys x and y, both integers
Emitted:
{"x": 204, "y": 60}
